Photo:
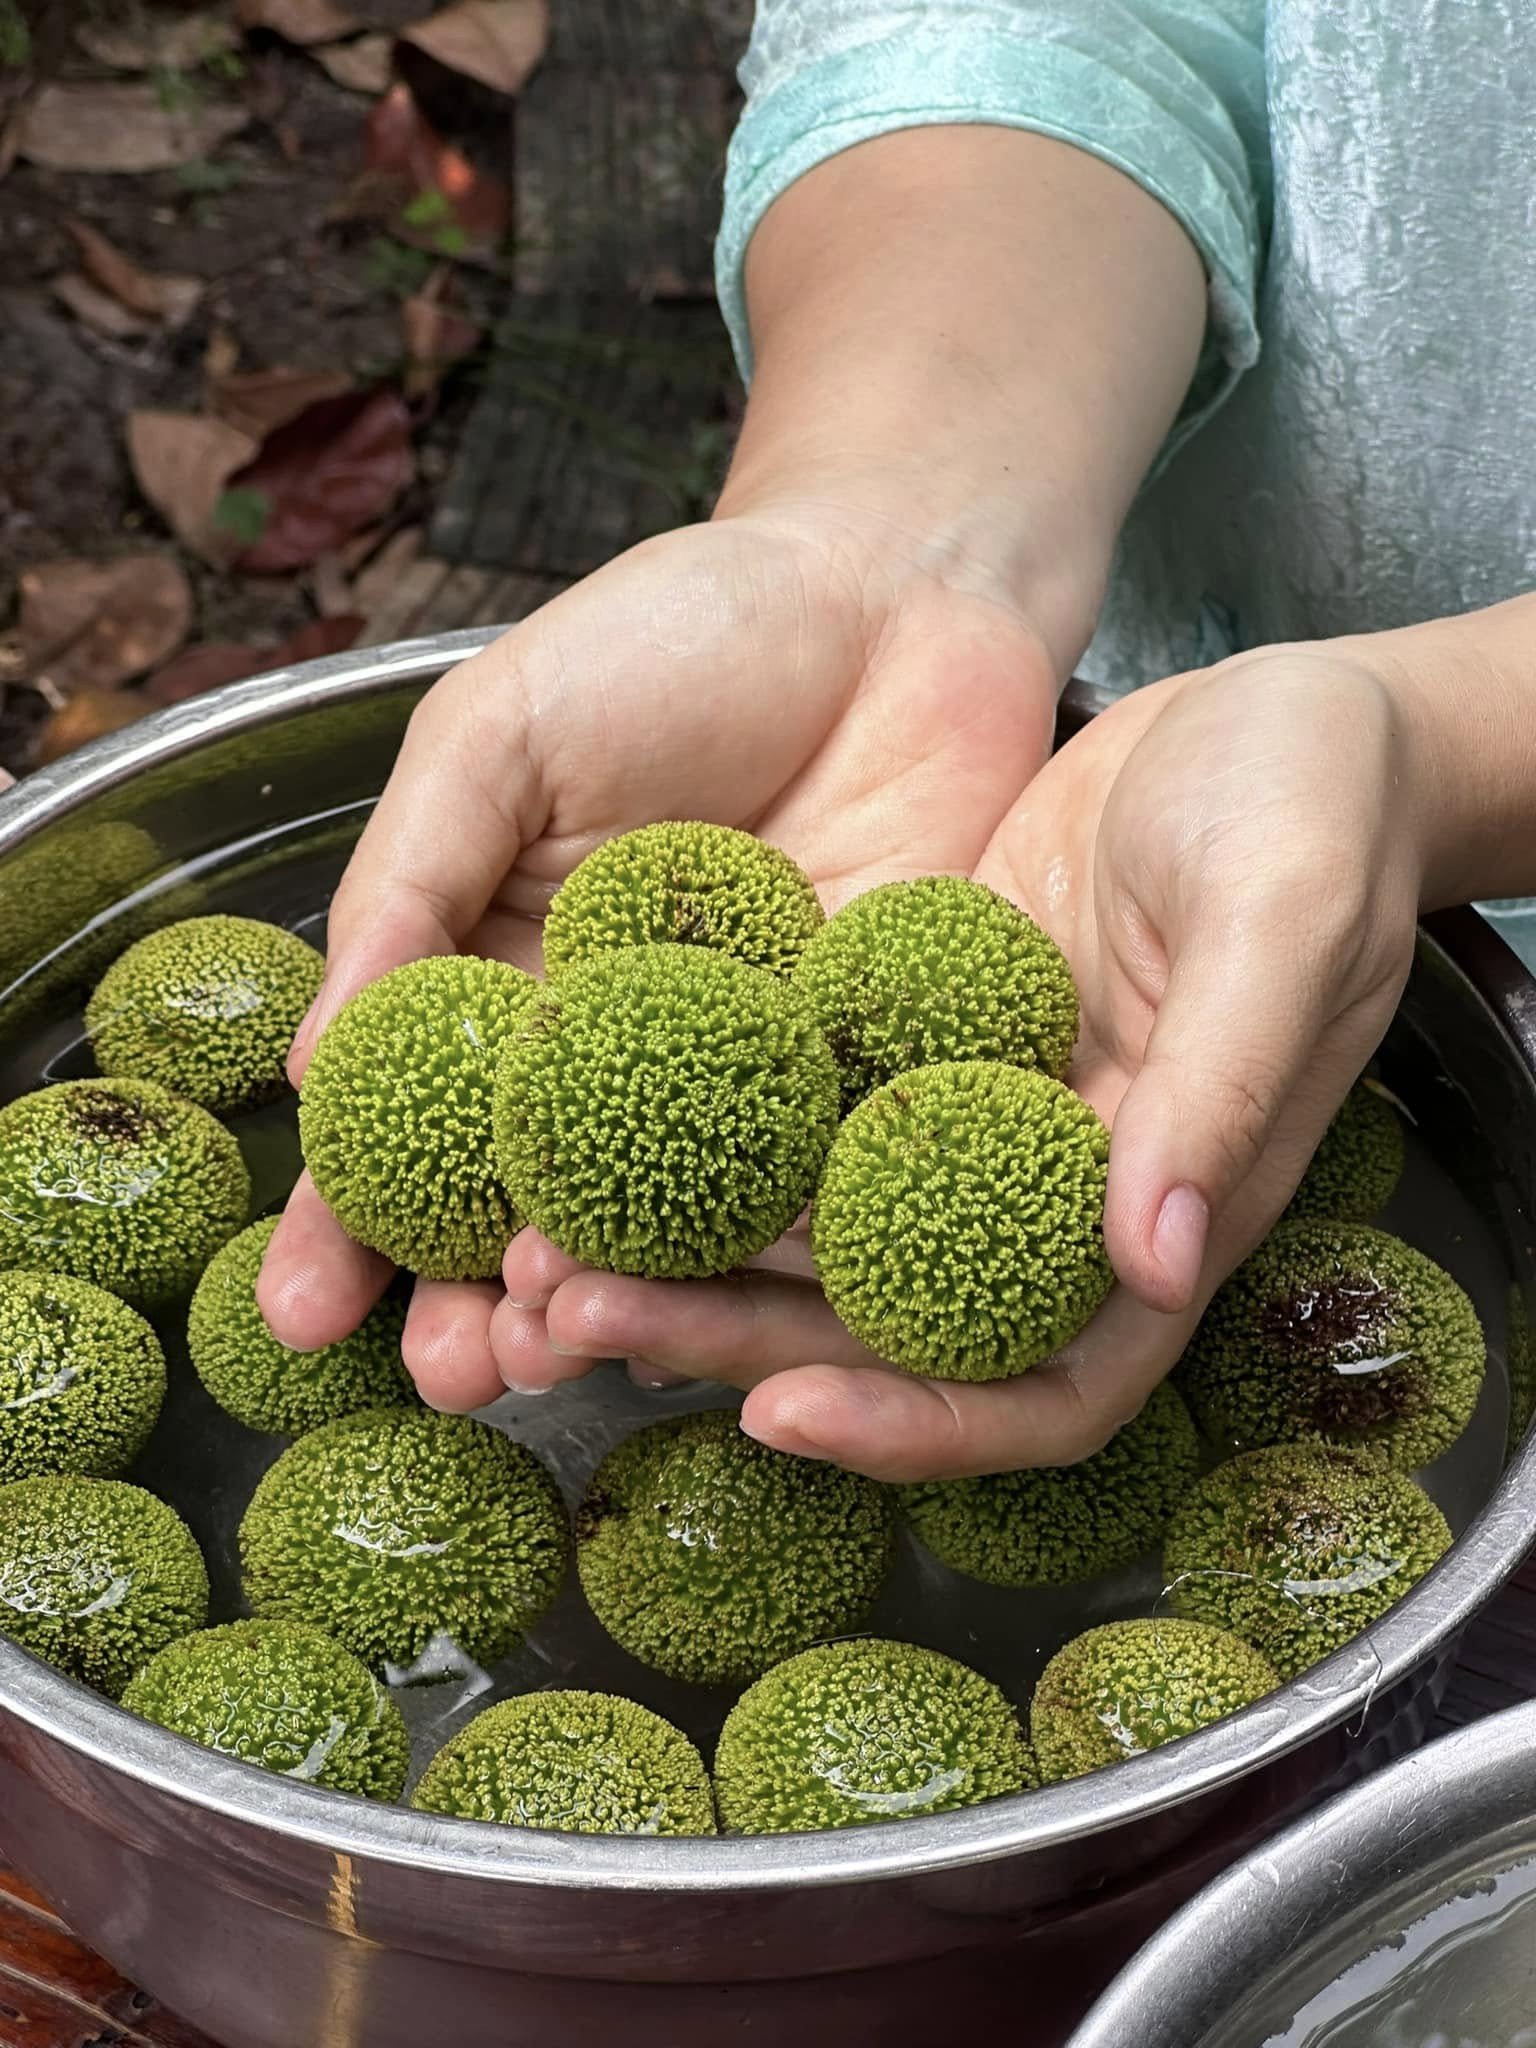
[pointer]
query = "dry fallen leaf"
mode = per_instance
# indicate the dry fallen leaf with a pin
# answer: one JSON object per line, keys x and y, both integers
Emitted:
{"x": 365, "y": 65}
{"x": 113, "y": 127}
{"x": 298, "y": 21}
{"x": 434, "y": 195}
{"x": 436, "y": 335}
{"x": 221, "y": 355}
{"x": 498, "y": 42}
{"x": 83, "y": 718}
{"x": 183, "y": 463}
{"x": 93, "y": 625}
{"x": 163, "y": 296}
{"x": 374, "y": 582}
{"x": 258, "y": 402}
{"x": 334, "y": 469}
{"x": 330, "y": 588}
{"x": 147, "y": 42}
{"x": 230, "y": 661}
{"x": 97, "y": 309}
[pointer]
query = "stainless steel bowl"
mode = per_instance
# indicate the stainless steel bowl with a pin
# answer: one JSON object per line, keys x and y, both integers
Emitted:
{"x": 278, "y": 1916}
{"x": 1403, "y": 1911}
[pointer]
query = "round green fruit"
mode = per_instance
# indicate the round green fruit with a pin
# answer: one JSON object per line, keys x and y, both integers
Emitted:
{"x": 82, "y": 1378}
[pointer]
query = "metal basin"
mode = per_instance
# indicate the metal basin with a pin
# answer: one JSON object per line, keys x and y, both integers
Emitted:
{"x": 1403, "y": 1912}
{"x": 275, "y": 1915}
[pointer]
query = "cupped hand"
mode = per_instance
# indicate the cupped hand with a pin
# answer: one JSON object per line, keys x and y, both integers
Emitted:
{"x": 1232, "y": 862}
{"x": 822, "y": 679}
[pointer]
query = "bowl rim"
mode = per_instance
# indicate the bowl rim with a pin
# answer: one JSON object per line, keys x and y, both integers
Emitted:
{"x": 1474, "y": 1789}
{"x": 1422, "y": 1622}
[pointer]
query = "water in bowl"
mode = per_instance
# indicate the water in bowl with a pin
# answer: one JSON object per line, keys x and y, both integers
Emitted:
{"x": 207, "y": 1465}
{"x": 1462, "y": 1975}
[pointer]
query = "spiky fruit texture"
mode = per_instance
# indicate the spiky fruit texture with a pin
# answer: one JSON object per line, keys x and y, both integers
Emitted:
{"x": 958, "y": 1228}
{"x": 96, "y": 1576}
{"x": 580, "y": 1763}
{"x": 1056, "y": 1525}
{"x": 120, "y": 1183}
{"x": 683, "y": 884}
{"x": 1355, "y": 1170}
{"x": 1338, "y": 1332}
{"x": 207, "y": 1007}
{"x": 82, "y": 1377}
{"x": 395, "y": 1527}
{"x": 282, "y": 1696}
{"x": 395, "y": 1115}
{"x": 665, "y": 1111}
{"x": 914, "y": 973}
{"x": 710, "y": 1557}
{"x": 1300, "y": 1547}
{"x": 260, "y": 1381}
{"x": 865, "y": 1731}
{"x": 1130, "y": 1686}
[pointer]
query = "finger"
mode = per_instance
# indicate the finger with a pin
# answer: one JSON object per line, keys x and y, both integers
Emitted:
{"x": 525, "y": 1360}
{"x": 316, "y": 1285}
{"x": 462, "y": 799}
{"x": 893, "y": 1426}
{"x": 737, "y": 1330}
{"x": 534, "y": 1267}
{"x": 1238, "y": 1025}
{"x": 447, "y": 1346}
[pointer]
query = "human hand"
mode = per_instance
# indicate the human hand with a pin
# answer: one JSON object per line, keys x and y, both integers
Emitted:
{"x": 1232, "y": 862}
{"x": 867, "y": 701}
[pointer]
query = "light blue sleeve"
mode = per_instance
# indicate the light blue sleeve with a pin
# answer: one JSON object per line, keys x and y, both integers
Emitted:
{"x": 1169, "y": 91}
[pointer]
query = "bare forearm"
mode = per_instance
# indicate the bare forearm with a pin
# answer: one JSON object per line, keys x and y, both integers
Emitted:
{"x": 1467, "y": 686}
{"x": 980, "y": 336}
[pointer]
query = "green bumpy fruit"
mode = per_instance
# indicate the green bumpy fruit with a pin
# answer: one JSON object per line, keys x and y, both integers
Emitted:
{"x": 282, "y": 1696}
{"x": 581, "y": 1763}
{"x": 683, "y": 884}
{"x": 207, "y": 1008}
{"x": 1355, "y": 1170}
{"x": 916, "y": 973}
{"x": 1130, "y": 1686}
{"x": 261, "y": 1382}
{"x": 865, "y": 1731}
{"x": 665, "y": 1111}
{"x": 395, "y": 1115}
{"x": 396, "y": 1527}
{"x": 96, "y": 1576}
{"x": 1339, "y": 1333}
{"x": 1300, "y": 1547}
{"x": 1058, "y": 1525}
{"x": 54, "y": 886}
{"x": 710, "y": 1557}
{"x": 958, "y": 1228}
{"x": 82, "y": 1377}
{"x": 118, "y": 1182}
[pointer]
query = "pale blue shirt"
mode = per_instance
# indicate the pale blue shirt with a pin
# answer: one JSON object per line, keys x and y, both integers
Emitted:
{"x": 1358, "y": 449}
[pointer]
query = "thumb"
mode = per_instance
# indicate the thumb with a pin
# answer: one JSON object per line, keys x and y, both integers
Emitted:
{"x": 1234, "y": 1034}
{"x": 456, "y": 812}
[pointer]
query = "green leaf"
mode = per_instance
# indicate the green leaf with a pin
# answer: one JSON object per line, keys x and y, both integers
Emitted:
{"x": 244, "y": 514}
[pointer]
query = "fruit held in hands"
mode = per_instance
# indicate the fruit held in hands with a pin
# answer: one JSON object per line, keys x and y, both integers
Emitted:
{"x": 665, "y": 1111}
{"x": 958, "y": 1227}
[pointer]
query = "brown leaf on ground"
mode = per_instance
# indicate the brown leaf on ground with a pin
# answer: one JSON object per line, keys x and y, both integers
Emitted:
{"x": 97, "y": 309}
{"x": 436, "y": 197}
{"x": 498, "y": 42}
{"x": 365, "y": 65}
{"x": 114, "y": 127}
{"x": 163, "y": 296}
{"x": 83, "y": 718}
{"x": 298, "y": 21}
{"x": 373, "y": 583}
{"x": 183, "y": 464}
{"x": 92, "y": 625}
{"x": 221, "y": 354}
{"x": 230, "y": 661}
{"x": 436, "y": 335}
{"x": 334, "y": 469}
{"x": 330, "y": 588}
{"x": 258, "y": 402}
{"x": 145, "y": 42}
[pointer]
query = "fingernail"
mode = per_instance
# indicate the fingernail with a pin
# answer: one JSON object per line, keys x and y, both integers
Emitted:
{"x": 791, "y": 1441}
{"x": 1178, "y": 1238}
{"x": 526, "y": 1393}
{"x": 531, "y": 1301}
